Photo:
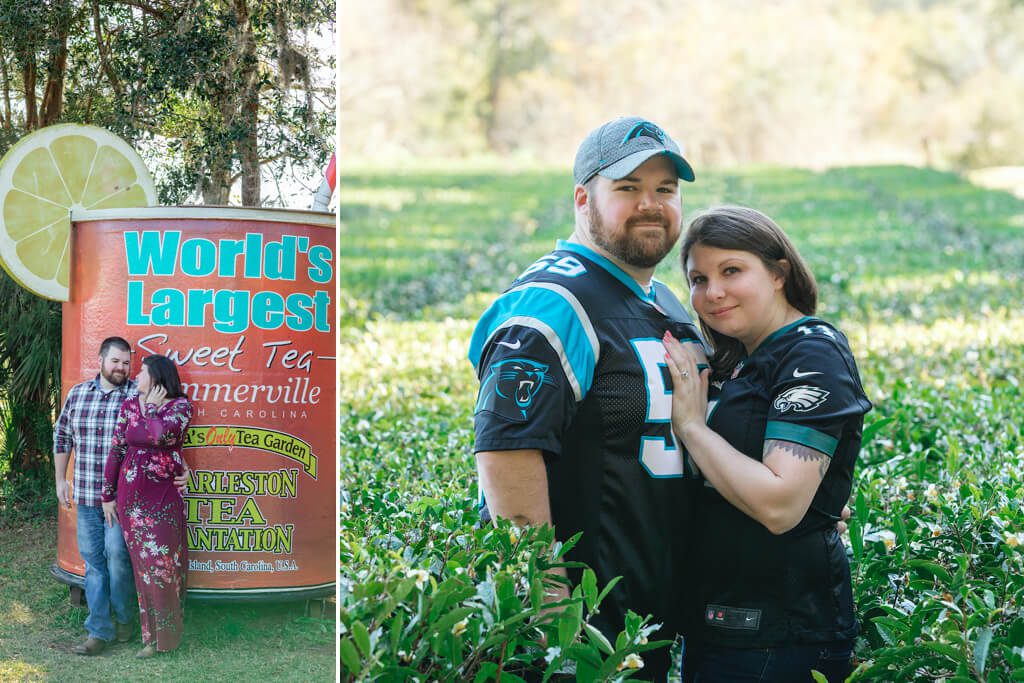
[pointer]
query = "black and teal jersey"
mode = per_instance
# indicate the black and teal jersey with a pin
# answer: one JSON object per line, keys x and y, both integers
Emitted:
{"x": 570, "y": 362}
{"x": 761, "y": 590}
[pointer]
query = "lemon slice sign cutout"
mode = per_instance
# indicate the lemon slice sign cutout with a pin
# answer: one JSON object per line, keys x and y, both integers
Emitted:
{"x": 43, "y": 178}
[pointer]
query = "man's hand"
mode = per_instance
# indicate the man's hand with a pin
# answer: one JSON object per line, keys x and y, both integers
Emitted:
{"x": 110, "y": 513}
{"x": 181, "y": 481}
{"x": 843, "y": 516}
{"x": 63, "y": 493}
{"x": 60, "y": 471}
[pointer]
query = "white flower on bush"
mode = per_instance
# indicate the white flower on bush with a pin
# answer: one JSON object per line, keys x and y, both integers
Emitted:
{"x": 631, "y": 661}
{"x": 931, "y": 493}
{"x": 887, "y": 538}
{"x": 1013, "y": 539}
{"x": 421, "y": 576}
{"x": 551, "y": 653}
{"x": 460, "y": 627}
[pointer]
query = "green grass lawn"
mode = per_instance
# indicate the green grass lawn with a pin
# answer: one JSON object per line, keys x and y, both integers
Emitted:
{"x": 921, "y": 269}
{"x": 38, "y": 627}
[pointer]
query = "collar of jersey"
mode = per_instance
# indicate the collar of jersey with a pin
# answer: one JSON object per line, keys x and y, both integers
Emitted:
{"x": 616, "y": 272}
{"x": 781, "y": 331}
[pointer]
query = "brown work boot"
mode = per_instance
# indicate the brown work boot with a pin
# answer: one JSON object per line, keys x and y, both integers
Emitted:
{"x": 125, "y": 632}
{"x": 91, "y": 646}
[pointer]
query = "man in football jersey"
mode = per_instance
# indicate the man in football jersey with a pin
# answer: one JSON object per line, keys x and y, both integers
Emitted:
{"x": 573, "y": 413}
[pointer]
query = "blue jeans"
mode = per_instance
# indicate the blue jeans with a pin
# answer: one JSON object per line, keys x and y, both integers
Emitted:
{"x": 790, "y": 664}
{"x": 109, "y": 581}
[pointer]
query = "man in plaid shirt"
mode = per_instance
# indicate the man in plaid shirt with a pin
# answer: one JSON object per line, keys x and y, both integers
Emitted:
{"x": 86, "y": 425}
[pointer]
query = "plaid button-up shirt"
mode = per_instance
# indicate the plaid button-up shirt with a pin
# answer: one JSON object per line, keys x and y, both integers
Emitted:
{"x": 86, "y": 426}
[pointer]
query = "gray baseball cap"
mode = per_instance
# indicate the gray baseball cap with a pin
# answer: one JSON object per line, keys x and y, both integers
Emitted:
{"x": 618, "y": 147}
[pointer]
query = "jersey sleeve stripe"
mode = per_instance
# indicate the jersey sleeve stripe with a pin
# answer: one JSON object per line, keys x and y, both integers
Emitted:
{"x": 578, "y": 388}
{"x": 787, "y": 431}
{"x": 581, "y": 314}
{"x": 553, "y": 311}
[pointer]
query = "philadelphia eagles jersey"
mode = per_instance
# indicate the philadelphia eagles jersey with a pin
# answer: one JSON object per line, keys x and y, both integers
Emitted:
{"x": 757, "y": 589}
{"x": 571, "y": 362}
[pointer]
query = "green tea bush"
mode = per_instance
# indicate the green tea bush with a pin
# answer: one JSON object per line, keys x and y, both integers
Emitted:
{"x": 919, "y": 268}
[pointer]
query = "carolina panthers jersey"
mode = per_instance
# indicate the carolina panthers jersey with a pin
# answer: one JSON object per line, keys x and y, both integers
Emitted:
{"x": 570, "y": 362}
{"x": 757, "y": 589}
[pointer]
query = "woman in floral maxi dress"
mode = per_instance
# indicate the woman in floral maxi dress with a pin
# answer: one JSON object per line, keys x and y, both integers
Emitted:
{"x": 139, "y": 475}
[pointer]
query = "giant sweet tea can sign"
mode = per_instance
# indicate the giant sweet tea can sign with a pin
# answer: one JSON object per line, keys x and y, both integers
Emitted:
{"x": 242, "y": 301}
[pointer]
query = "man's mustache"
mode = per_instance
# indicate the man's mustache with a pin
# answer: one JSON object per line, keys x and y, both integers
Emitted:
{"x": 648, "y": 217}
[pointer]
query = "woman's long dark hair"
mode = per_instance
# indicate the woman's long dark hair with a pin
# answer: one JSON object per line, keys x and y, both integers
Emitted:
{"x": 740, "y": 228}
{"x": 164, "y": 372}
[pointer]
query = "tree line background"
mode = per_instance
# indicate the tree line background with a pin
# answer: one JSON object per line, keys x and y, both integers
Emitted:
{"x": 214, "y": 94}
{"x": 821, "y": 83}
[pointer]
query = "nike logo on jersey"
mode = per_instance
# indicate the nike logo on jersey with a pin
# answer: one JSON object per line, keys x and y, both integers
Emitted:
{"x": 513, "y": 345}
{"x": 798, "y": 374}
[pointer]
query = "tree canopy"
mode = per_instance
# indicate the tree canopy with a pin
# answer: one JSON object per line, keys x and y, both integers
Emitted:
{"x": 211, "y": 91}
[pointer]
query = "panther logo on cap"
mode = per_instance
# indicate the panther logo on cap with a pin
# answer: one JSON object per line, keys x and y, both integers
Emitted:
{"x": 647, "y": 129}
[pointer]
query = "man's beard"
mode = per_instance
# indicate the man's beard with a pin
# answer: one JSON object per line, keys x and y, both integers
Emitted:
{"x": 637, "y": 252}
{"x": 115, "y": 377}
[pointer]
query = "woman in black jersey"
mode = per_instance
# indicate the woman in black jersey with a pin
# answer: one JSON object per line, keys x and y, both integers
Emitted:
{"x": 775, "y": 438}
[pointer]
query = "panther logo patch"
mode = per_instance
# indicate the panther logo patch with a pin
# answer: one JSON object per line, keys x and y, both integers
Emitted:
{"x": 802, "y": 399}
{"x": 511, "y": 386}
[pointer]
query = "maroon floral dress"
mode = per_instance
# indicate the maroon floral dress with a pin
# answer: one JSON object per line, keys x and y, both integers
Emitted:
{"x": 139, "y": 473}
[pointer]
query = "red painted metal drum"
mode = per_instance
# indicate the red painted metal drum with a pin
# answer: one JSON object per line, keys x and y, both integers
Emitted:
{"x": 243, "y": 301}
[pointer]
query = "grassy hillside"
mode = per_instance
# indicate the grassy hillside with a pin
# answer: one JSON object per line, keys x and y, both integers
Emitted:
{"x": 919, "y": 268}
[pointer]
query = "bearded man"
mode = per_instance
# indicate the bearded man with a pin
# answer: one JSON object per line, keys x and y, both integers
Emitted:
{"x": 573, "y": 416}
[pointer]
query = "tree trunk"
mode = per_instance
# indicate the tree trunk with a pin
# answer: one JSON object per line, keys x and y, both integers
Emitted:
{"x": 28, "y": 78}
{"x": 7, "y": 95}
{"x": 53, "y": 96}
{"x": 247, "y": 74}
{"x": 217, "y": 184}
{"x": 249, "y": 153}
{"x": 495, "y": 76}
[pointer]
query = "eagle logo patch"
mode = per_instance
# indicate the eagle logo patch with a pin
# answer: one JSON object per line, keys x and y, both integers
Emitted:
{"x": 802, "y": 399}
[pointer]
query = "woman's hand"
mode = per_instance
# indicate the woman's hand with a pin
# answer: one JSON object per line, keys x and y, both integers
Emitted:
{"x": 157, "y": 395}
{"x": 689, "y": 386}
{"x": 110, "y": 513}
{"x": 181, "y": 480}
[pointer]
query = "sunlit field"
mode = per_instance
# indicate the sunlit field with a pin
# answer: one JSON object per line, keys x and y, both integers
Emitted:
{"x": 919, "y": 268}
